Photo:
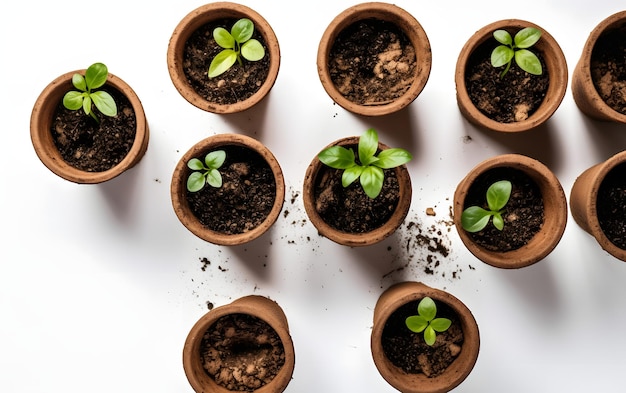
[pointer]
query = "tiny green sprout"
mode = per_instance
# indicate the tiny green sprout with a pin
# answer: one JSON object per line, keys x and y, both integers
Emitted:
{"x": 475, "y": 218}
{"x": 95, "y": 77}
{"x": 369, "y": 168}
{"x": 207, "y": 172}
{"x": 426, "y": 322}
{"x": 517, "y": 48}
{"x": 237, "y": 44}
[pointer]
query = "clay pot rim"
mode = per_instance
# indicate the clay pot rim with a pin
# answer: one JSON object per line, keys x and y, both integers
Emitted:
{"x": 403, "y": 20}
{"x": 178, "y": 189}
{"x": 199, "y": 17}
{"x": 41, "y": 137}
{"x": 355, "y": 239}
{"x": 557, "y": 70}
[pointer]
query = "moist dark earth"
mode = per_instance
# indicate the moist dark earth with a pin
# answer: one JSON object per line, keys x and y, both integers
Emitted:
{"x": 608, "y": 68}
{"x": 611, "y": 205}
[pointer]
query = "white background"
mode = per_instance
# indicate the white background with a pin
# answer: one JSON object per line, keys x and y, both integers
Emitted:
{"x": 99, "y": 285}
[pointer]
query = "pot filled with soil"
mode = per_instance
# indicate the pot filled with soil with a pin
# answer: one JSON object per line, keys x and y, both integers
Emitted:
{"x": 374, "y": 59}
{"x": 193, "y": 47}
{"x": 510, "y": 211}
{"x": 508, "y": 97}
{"x": 598, "y": 204}
{"x": 599, "y": 79}
{"x": 247, "y": 200}
{"x": 435, "y": 358}
{"x": 241, "y": 346}
{"x": 89, "y": 148}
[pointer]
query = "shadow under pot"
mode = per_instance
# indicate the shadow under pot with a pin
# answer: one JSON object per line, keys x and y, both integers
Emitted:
{"x": 241, "y": 346}
{"x": 403, "y": 357}
{"x": 516, "y": 101}
{"x": 246, "y": 203}
{"x": 394, "y": 59}
{"x": 598, "y": 204}
{"x": 532, "y": 215}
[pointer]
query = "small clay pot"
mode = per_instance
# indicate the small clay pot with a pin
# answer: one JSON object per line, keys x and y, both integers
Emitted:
{"x": 355, "y": 239}
{"x": 400, "y": 294}
{"x": 385, "y": 12}
{"x": 584, "y": 198}
{"x": 196, "y": 19}
{"x": 41, "y": 131}
{"x": 556, "y": 69}
{"x": 257, "y": 306}
{"x": 179, "y": 189}
{"x": 585, "y": 94}
{"x": 555, "y": 212}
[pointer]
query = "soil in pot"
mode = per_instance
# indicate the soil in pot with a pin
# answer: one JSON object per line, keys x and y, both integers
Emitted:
{"x": 611, "y": 205}
{"x": 515, "y": 97}
{"x": 245, "y": 198}
{"x": 523, "y": 215}
{"x": 91, "y": 146}
{"x": 238, "y": 83}
{"x": 608, "y": 68}
{"x": 372, "y": 62}
{"x": 242, "y": 352}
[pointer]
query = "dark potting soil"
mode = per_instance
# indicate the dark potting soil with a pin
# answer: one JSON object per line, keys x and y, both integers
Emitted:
{"x": 242, "y": 352}
{"x": 515, "y": 97}
{"x": 238, "y": 83}
{"x": 408, "y": 350}
{"x": 523, "y": 215}
{"x": 245, "y": 198}
{"x": 372, "y": 62}
{"x": 611, "y": 205}
{"x": 91, "y": 146}
{"x": 608, "y": 68}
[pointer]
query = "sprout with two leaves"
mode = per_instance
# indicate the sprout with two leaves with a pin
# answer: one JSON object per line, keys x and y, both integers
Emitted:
{"x": 475, "y": 218}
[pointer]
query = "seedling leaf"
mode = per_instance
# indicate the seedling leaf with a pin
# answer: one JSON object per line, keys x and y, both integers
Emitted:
{"x": 501, "y": 55}
{"x": 368, "y": 145}
{"x": 350, "y": 175}
{"x": 503, "y": 37}
{"x": 337, "y": 157}
{"x": 252, "y": 50}
{"x": 391, "y": 158}
{"x": 528, "y": 62}
{"x": 527, "y": 37}
{"x": 498, "y": 194}
{"x": 474, "y": 218}
{"x": 222, "y": 62}
{"x": 372, "y": 181}
{"x": 427, "y": 308}
{"x": 195, "y": 181}
{"x": 242, "y": 30}
{"x": 440, "y": 324}
{"x": 104, "y": 102}
{"x": 416, "y": 323}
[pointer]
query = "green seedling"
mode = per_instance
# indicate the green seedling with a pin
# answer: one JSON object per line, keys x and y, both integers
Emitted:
{"x": 95, "y": 77}
{"x": 369, "y": 166}
{"x": 207, "y": 172}
{"x": 426, "y": 322}
{"x": 237, "y": 43}
{"x": 517, "y": 49}
{"x": 475, "y": 218}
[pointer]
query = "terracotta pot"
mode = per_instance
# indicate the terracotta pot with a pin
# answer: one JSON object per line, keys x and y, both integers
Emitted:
{"x": 583, "y": 202}
{"x": 196, "y": 19}
{"x": 41, "y": 134}
{"x": 555, "y": 212}
{"x": 585, "y": 94}
{"x": 556, "y": 68}
{"x": 257, "y": 306}
{"x": 406, "y": 292}
{"x": 179, "y": 189}
{"x": 355, "y": 239}
{"x": 386, "y": 12}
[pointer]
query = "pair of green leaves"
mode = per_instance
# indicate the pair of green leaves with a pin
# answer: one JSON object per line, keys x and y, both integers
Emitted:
{"x": 95, "y": 77}
{"x": 369, "y": 168}
{"x": 237, "y": 43}
{"x": 427, "y": 322}
{"x": 475, "y": 218}
{"x": 517, "y": 48}
{"x": 207, "y": 172}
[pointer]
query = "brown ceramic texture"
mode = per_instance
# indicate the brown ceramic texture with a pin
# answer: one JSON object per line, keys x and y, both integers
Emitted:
{"x": 585, "y": 94}
{"x": 555, "y": 64}
{"x": 555, "y": 212}
{"x": 386, "y": 12}
{"x": 196, "y": 19}
{"x": 401, "y": 294}
{"x": 356, "y": 239}
{"x": 583, "y": 202}
{"x": 41, "y": 136}
{"x": 179, "y": 189}
{"x": 257, "y": 306}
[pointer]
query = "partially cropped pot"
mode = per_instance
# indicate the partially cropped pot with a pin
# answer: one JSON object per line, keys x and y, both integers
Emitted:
{"x": 42, "y": 118}
{"x": 400, "y": 295}
{"x": 408, "y": 26}
{"x": 197, "y": 19}
{"x": 550, "y": 230}
{"x": 259, "y": 307}
{"x": 251, "y": 148}
{"x": 585, "y": 92}
{"x": 592, "y": 206}
{"x": 555, "y": 67}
